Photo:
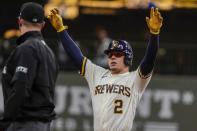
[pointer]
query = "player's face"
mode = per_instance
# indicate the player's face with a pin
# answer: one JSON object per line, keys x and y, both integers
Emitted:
{"x": 116, "y": 62}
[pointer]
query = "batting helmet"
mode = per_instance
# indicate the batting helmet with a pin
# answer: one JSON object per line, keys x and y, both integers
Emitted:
{"x": 121, "y": 46}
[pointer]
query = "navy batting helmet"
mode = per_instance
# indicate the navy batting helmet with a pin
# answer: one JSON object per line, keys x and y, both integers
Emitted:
{"x": 121, "y": 46}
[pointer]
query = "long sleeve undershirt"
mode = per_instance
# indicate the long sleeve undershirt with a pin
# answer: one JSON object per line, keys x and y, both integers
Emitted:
{"x": 71, "y": 48}
{"x": 147, "y": 63}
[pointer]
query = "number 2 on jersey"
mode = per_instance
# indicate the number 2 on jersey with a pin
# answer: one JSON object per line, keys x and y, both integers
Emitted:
{"x": 118, "y": 106}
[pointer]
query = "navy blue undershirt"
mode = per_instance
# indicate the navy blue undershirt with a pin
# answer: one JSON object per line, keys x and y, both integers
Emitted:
{"x": 147, "y": 63}
{"x": 71, "y": 48}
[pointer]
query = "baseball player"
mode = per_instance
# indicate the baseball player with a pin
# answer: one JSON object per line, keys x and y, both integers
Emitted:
{"x": 115, "y": 92}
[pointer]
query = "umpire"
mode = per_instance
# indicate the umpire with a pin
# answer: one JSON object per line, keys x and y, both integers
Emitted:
{"x": 29, "y": 76}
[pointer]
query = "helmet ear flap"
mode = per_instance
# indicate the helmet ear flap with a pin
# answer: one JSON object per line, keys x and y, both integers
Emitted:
{"x": 128, "y": 57}
{"x": 127, "y": 61}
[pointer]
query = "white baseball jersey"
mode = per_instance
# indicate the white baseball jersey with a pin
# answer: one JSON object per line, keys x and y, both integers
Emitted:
{"x": 114, "y": 97}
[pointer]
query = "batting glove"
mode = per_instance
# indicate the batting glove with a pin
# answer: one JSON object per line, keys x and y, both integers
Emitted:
{"x": 155, "y": 21}
{"x": 56, "y": 20}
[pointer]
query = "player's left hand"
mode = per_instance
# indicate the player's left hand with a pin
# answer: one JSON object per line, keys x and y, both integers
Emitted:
{"x": 155, "y": 21}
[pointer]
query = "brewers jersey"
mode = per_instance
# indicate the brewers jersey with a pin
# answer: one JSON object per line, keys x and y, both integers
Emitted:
{"x": 114, "y": 97}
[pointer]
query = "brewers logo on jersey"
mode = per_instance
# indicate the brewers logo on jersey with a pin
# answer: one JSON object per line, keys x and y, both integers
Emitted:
{"x": 114, "y": 98}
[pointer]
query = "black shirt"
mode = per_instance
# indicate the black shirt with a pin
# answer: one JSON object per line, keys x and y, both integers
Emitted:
{"x": 28, "y": 80}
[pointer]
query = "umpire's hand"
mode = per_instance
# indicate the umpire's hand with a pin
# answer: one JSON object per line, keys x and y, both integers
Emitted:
{"x": 56, "y": 20}
{"x": 155, "y": 21}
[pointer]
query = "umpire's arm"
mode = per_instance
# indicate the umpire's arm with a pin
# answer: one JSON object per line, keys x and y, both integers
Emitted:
{"x": 26, "y": 65}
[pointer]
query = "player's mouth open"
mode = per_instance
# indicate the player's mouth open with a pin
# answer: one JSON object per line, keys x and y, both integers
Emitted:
{"x": 113, "y": 63}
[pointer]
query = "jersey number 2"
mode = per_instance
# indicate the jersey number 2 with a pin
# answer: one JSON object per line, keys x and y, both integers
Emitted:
{"x": 118, "y": 106}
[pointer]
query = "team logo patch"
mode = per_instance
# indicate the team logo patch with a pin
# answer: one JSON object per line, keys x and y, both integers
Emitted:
{"x": 117, "y": 45}
{"x": 35, "y": 20}
{"x": 114, "y": 44}
{"x": 21, "y": 69}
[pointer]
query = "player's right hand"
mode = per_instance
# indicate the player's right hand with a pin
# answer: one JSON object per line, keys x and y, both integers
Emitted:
{"x": 56, "y": 20}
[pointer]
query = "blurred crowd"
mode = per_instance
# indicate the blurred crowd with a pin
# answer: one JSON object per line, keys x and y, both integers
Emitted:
{"x": 170, "y": 60}
{"x": 8, "y": 44}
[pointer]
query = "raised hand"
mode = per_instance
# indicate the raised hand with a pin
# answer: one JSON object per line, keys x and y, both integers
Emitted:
{"x": 56, "y": 20}
{"x": 155, "y": 21}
